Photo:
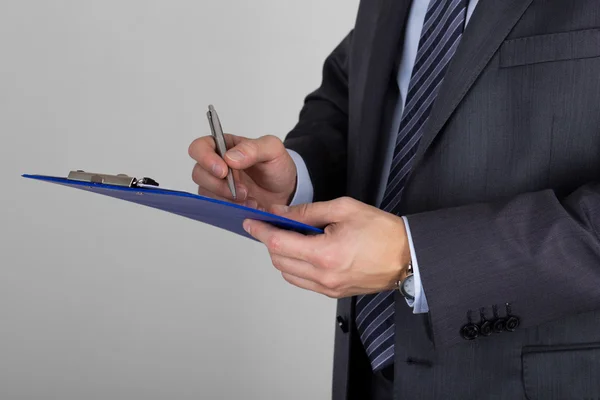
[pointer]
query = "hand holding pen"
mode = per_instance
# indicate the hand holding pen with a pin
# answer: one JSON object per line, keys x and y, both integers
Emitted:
{"x": 257, "y": 173}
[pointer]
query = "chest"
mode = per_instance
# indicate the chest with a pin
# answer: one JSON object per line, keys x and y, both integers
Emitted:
{"x": 527, "y": 121}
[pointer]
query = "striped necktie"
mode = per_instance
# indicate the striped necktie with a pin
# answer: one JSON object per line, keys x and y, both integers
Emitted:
{"x": 442, "y": 30}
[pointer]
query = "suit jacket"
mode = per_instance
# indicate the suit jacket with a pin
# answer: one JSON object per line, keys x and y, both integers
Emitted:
{"x": 503, "y": 202}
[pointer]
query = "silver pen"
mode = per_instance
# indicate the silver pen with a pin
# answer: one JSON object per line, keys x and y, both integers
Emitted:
{"x": 219, "y": 137}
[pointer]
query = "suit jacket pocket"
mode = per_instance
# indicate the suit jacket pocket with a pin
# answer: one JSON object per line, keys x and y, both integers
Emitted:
{"x": 552, "y": 47}
{"x": 562, "y": 372}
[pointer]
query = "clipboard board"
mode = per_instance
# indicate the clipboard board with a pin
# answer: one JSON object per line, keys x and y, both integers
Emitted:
{"x": 145, "y": 191}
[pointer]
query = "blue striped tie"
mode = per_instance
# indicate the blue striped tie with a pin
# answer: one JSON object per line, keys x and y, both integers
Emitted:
{"x": 441, "y": 34}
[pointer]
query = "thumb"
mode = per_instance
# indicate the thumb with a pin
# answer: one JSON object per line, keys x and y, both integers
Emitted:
{"x": 248, "y": 152}
{"x": 315, "y": 214}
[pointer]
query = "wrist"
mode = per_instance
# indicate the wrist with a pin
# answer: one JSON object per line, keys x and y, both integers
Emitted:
{"x": 403, "y": 265}
{"x": 405, "y": 256}
{"x": 406, "y": 285}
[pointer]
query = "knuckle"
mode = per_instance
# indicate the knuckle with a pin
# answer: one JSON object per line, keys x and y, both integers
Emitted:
{"x": 196, "y": 148}
{"x": 191, "y": 149}
{"x": 200, "y": 177}
{"x": 221, "y": 188}
{"x": 271, "y": 140}
{"x": 342, "y": 207}
{"x": 277, "y": 262}
{"x": 328, "y": 260}
{"x": 273, "y": 243}
{"x": 286, "y": 277}
{"x": 196, "y": 174}
{"x": 346, "y": 202}
{"x": 206, "y": 193}
{"x": 332, "y": 282}
{"x": 348, "y": 199}
{"x": 203, "y": 192}
{"x": 250, "y": 147}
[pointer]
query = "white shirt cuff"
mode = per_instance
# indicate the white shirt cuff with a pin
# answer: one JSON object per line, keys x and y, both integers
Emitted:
{"x": 304, "y": 187}
{"x": 419, "y": 304}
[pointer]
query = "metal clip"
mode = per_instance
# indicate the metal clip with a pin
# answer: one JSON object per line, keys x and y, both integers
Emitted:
{"x": 116, "y": 180}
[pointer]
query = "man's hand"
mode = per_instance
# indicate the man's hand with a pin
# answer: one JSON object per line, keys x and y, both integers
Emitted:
{"x": 264, "y": 172}
{"x": 364, "y": 250}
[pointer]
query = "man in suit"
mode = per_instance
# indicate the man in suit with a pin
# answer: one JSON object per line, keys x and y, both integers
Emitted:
{"x": 451, "y": 153}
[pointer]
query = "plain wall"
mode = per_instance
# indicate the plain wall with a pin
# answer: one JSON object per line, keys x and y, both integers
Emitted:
{"x": 102, "y": 299}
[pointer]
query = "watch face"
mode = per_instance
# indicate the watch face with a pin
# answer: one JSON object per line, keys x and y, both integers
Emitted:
{"x": 408, "y": 287}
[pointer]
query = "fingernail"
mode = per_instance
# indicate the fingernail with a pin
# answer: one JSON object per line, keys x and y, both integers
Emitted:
{"x": 251, "y": 203}
{"x": 235, "y": 155}
{"x": 246, "y": 226}
{"x": 281, "y": 209}
{"x": 241, "y": 192}
{"x": 217, "y": 170}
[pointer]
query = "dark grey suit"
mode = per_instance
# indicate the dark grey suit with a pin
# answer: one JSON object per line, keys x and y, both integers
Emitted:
{"x": 503, "y": 202}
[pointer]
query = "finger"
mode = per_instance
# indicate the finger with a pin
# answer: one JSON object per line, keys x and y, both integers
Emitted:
{"x": 217, "y": 186}
{"x": 295, "y": 267}
{"x": 248, "y": 152}
{"x": 233, "y": 140}
{"x": 309, "y": 285}
{"x": 203, "y": 151}
{"x": 318, "y": 214}
{"x": 249, "y": 202}
{"x": 207, "y": 193}
{"x": 284, "y": 243}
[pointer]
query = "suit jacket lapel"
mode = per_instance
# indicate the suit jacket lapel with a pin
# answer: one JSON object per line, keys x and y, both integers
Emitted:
{"x": 374, "y": 64}
{"x": 490, "y": 24}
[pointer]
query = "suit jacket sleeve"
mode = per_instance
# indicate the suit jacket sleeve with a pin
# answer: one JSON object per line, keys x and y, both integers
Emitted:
{"x": 320, "y": 136}
{"x": 537, "y": 251}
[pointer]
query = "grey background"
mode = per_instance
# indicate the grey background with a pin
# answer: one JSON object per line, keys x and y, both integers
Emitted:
{"x": 101, "y": 299}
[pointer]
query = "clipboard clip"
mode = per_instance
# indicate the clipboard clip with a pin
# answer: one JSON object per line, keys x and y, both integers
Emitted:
{"x": 116, "y": 180}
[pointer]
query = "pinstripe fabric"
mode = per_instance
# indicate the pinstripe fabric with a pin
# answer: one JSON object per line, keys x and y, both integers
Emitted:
{"x": 441, "y": 34}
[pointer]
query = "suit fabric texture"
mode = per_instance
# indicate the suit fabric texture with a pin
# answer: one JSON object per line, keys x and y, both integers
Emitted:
{"x": 503, "y": 200}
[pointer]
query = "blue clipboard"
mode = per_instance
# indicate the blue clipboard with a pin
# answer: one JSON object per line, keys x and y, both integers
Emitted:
{"x": 221, "y": 214}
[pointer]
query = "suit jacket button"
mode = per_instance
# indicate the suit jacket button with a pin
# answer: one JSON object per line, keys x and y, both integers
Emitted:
{"x": 485, "y": 326}
{"x": 512, "y": 323}
{"x": 341, "y": 321}
{"x": 469, "y": 332}
{"x": 485, "y": 329}
{"x": 499, "y": 324}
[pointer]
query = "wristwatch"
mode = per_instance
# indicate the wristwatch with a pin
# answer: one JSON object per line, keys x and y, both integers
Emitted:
{"x": 407, "y": 285}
